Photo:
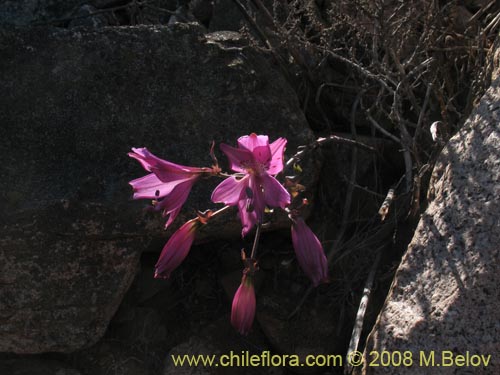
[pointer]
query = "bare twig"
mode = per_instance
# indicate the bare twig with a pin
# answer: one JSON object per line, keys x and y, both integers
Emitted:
{"x": 320, "y": 108}
{"x": 365, "y": 189}
{"x": 253, "y": 24}
{"x": 262, "y": 35}
{"x": 264, "y": 11}
{"x": 322, "y": 141}
{"x": 384, "y": 208}
{"x": 418, "y": 129}
{"x": 481, "y": 11}
{"x": 406, "y": 150}
{"x": 352, "y": 181}
{"x": 360, "y": 316}
{"x": 365, "y": 72}
{"x": 492, "y": 25}
{"x": 382, "y": 130}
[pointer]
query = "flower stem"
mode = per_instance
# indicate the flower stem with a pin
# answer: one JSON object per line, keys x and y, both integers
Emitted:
{"x": 256, "y": 241}
{"x": 225, "y": 175}
{"x": 205, "y": 216}
{"x": 220, "y": 210}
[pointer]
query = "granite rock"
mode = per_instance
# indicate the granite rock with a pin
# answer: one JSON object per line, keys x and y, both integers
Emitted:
{"x": 445, "y": 298}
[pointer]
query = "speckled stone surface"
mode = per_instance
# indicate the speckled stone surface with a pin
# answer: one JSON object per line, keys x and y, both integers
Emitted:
{"x": 445, "y": 297}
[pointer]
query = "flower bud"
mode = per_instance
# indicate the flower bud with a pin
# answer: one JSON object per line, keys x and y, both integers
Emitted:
{"x": 243, "y": 309}
{"x": 309, "y": 252}
{"x": 176, "y": 249}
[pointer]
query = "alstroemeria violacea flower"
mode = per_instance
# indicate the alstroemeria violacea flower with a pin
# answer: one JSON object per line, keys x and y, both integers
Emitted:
{"x": 259, "y": 161}
{"x": 243, "y": 308}
{"x": 176, "y": 249}
{"x": 168, "y": 185}
{"x": 309, "y": 252}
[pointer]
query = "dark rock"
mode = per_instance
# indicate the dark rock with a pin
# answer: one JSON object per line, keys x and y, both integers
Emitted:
{"x": 58, "y": 293}
{"x": 216, "y": 339}
{"x": 75, "y": 102}
{"x": 111, "y": 357}
{"x": 312, "y": 332}
{"x": 89, "y": 13}
{"x": 35, "y": 366}
{"x": 202, "y": 10}
{"x": 145, "y": 286}
{"x": 182, "y": 14}
{"x": 88, "y": 16}
{"x": 25, "y": 12}
{"x": 226, "y": 16}
{"x": 142, "y": 326}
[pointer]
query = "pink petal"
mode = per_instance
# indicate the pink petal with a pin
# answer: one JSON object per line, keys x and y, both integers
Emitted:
{"x": 275, "y": 195}
{"x": 251, "y": 205}
{"x": 258, "y": 145}
{"x": 172, "y": 215}
{"x": 258, "y": 199}
{"x": 262, "y": 155}
{"x": 248, "y": 218}
{"x": 140, "y": 155}
{"x": 176, "y": 249}
{"x": 309, "y": 252}
{"x": 250, "y": 142}
{"x": 237, "y": 157}
{"x": 172, "y": 204}
{"x": 151, "y": 187}
{"x": 277, "y": 154}
{"x": 243, "y": 307}
{"x": 230, "y": 190}
{"x": 168, "y": 175}
{"x": 150, "y": 162}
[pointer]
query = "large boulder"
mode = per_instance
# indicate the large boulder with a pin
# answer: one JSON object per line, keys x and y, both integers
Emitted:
{"x": 444, "y": 303}
{"x": 24, "y": 12}
{"x": 35, "y": 366}
{"x": 74, "y": 102}
{"x": 90, "y": 13}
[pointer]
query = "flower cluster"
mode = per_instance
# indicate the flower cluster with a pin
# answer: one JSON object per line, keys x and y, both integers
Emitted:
{"x": 252, "y": 189}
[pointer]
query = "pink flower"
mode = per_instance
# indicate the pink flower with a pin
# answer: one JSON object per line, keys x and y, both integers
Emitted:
{"x": 169, "y": 184}
{"x": 258, "y": 161}
{"x": 243, "y": 308}
{"x": 309, "y": 252}
{"x": 176, "y": 249}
